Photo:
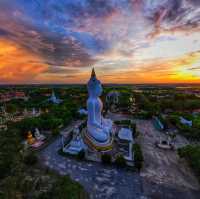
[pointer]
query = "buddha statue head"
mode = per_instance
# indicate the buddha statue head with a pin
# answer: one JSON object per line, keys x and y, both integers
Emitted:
{"x": 94, "y": 86}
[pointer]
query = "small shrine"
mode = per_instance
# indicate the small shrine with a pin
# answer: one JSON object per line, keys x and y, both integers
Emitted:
{"x": 54, "y": 99}
{"x": 76, "y": 145}
{"x": 35, "y": 139}
{"x": 30, "y": 139}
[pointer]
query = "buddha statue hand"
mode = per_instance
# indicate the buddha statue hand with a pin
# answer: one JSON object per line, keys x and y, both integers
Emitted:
{"x": 96, "y": 125}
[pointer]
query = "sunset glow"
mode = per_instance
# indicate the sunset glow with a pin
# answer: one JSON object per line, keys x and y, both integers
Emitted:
{"x": 132, "y": 41}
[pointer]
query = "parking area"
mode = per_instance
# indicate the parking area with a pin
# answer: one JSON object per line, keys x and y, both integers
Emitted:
{"x": 163, "y": 169}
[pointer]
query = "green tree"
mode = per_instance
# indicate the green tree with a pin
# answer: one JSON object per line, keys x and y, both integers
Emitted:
{"x": 192, "y": 155}
{"x": 11, "y": 108}
{"x": 120, "y": 161}
{"x": 106, "y": 158}
{"x": 138, "y": 156}
{"x": 10, "y": 155}
{"x": 81, "y": 155}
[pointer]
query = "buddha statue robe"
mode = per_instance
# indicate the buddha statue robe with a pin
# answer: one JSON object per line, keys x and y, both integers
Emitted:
{"x": 98, "y": 127}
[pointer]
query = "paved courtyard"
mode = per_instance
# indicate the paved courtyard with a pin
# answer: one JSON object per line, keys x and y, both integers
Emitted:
{"x": 102, "y": 182}
{"x": 164, "y": 176}
{"x": 163, "y": 170}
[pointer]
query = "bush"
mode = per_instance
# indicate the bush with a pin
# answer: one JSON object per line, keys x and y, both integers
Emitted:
{"x": 120, "y": 161}
{"x": 81, "y": 155}
{"x": 106, "y": 158}
{"x": 133, "y": 129}
{"x": 79, "y": 116}
{"x": 30, "y": 159}
{"x": 82, "y": 126}
{"x": 128, "y": 124}
{"x": 144, "y": 115}
{"x": 34, "y": 184}
{"x": 192, "y": 156}
{"x": 27, "y": 124}
{"x": 123, "y": 122}
{"x": 55, "y": 132}
{"x": 10, "y": 147}
{"x": 138, "y": 156}
{"x": 136, "y": 134}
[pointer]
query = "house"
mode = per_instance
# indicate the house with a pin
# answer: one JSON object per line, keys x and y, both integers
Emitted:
{"x": 125, "y": 142}
{"x": 112, "y": 97}
{"x": 5, "y": 97}
{"x": 185, "y": 121}
{"x": 158, "y": 124}
{"x": 82, "y": 111}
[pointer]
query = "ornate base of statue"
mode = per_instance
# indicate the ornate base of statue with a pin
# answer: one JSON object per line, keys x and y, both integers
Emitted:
{"x": 95, "y": 145}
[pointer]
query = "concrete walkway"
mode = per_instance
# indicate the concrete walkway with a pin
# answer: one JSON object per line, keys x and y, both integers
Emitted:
{"x": 102, "y": 182}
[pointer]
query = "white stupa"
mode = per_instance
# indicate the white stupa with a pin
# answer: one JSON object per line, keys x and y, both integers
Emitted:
{"x": 99, "y": 130}
{"x": 54, "y": 99}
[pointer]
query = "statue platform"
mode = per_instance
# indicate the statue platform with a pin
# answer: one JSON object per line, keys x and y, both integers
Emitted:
{"x": 95, "y": 145}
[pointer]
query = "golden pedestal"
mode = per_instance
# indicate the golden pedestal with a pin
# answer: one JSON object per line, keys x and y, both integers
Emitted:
{"x": 95, "y": 145}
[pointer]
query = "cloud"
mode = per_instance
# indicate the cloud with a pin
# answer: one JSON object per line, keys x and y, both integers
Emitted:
{"x": 58, "y": 41}
{"x": 50, "y": 45}
{"x": 194, "y": 68}
{"x": 16, "y": 64}
{"x": 157, "y": 71}
{"x": 58, "y": 51}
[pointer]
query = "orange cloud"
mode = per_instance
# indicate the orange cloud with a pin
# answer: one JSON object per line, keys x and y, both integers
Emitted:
{"x": 17, "y": 65}
{"x": 179, "y": 70}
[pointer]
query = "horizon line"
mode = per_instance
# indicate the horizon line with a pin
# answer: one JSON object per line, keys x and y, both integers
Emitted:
{"x": 50, "y": 84}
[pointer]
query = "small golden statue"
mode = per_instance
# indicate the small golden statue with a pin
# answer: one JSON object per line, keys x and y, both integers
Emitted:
{"x": 30, "y": 139}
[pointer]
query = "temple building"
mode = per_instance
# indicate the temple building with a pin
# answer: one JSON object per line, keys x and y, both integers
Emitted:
{"x": 54, "y": 99}
{"x": 112, "y": 100}
{"x": 125, "y": 143}
{"x": 185, "y": 121}
{"x": 113, "y": 97}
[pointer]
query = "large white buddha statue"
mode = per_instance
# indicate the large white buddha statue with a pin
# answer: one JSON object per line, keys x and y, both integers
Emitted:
{"x": 97, "y": 127}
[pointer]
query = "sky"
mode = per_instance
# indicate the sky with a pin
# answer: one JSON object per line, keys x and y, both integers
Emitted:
{"x": 126, "y": 41}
